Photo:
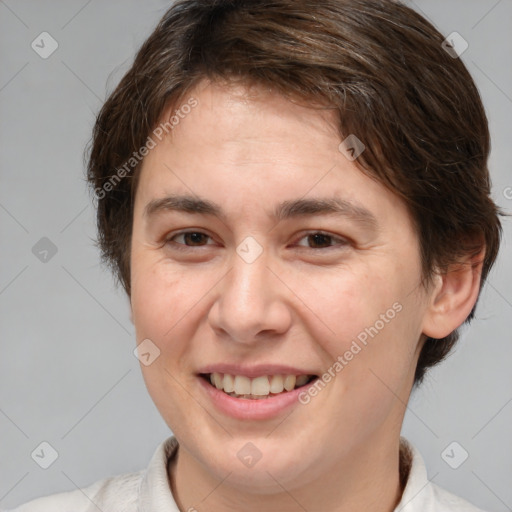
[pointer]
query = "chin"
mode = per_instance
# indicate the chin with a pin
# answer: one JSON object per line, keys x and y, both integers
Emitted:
{"x": 260, "y": 466}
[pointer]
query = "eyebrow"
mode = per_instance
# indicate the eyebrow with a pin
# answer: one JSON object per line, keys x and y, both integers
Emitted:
{"x": 285, "y": 210}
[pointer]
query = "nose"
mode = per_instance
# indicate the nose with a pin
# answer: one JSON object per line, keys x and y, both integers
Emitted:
{"x": 251, "y": 303}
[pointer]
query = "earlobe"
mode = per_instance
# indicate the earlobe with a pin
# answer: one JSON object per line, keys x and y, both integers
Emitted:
{"x": 453, "y": 296}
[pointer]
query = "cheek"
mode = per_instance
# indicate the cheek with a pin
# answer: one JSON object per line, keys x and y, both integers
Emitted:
{"x": 374, "y": 321}
{"x": 160, "y": 296}
{"x": 169, "y": 306}
{"x": 348, "y": 304}
{"x": 160, "y": 303}
{"x": 163, "y": 309}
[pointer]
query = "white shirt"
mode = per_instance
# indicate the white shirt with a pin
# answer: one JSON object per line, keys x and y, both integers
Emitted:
{"x": 149, "y": 491}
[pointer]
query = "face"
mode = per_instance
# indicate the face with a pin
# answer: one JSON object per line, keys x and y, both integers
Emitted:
{"x": 264, "y": 260}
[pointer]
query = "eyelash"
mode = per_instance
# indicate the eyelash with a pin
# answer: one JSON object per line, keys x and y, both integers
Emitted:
{"x": 184, "y": 247}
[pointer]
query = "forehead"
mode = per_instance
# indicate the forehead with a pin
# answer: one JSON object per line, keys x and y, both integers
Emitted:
{"x": 249, "y": 114}
{"x": 240, "y": 144}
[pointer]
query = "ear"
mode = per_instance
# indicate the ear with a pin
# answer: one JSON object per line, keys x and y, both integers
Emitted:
{"x": 453, "y": 296}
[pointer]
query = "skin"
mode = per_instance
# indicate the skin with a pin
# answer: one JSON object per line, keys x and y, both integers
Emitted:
{"x": 299, "y": 303}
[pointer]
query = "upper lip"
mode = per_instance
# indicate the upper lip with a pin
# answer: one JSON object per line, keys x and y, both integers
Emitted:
{"x": 255, "y": 370}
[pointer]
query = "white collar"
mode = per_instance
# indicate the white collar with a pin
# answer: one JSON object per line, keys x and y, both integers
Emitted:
{"x": 417, "y": 492}
{"x": 155, "y": 490}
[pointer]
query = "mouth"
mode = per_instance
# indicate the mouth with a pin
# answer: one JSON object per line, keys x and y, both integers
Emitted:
{"x": 258, "y": 388}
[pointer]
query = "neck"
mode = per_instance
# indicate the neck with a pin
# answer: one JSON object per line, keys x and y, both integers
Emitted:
{"x": 370, "y": 480}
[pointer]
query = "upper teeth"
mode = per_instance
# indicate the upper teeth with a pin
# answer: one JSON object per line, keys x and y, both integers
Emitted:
{"x": 261, "y": 386}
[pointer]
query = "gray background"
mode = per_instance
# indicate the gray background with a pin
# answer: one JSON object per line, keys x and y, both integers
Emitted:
{"x": 67, "y": 372}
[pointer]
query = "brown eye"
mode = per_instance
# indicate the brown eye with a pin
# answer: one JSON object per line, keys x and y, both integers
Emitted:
{"x": 319, "y": 240}
{"x": 191, "y": 238}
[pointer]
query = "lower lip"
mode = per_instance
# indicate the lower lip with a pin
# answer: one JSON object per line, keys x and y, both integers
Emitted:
{"x": 255, "y": 409}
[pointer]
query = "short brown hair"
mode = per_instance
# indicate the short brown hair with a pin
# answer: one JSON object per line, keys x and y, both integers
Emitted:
{"x": 377, "y": 62}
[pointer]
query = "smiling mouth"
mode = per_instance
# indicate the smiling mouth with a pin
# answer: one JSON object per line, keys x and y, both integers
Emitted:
{"x": 266, "y": 386}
